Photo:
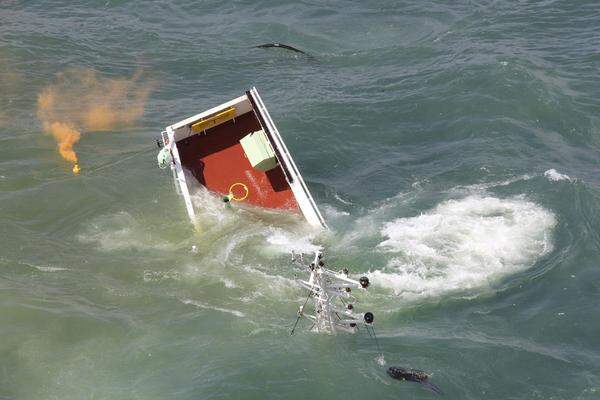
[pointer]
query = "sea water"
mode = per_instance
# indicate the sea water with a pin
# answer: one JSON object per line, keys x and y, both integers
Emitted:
{"x": 453, "y": 149}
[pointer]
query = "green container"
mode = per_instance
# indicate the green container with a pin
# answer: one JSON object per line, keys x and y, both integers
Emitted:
{"x": 259, "y": 151}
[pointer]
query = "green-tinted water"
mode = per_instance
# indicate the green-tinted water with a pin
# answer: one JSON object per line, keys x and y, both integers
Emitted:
{"x": 453, "y": 150}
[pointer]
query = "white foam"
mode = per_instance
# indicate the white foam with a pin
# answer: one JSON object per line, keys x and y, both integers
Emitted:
{"x": 210, "y": 207}
{"x": 49, "y": 269}
{"x": 209, "y": 307}
{"x": 341, "y": 200}
{"x": 483, "y": 187}
{"x": 331, "y": 212}
{"x": 121, "y": 231}
{"x": 555, "y": 176}
{"x": 284, "y": 241}
{"x": 229, "y": 284}
{"x": 463, "y": 244}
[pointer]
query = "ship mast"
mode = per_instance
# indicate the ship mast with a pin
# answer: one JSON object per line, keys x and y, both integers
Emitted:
{"x": 333, "y": 301}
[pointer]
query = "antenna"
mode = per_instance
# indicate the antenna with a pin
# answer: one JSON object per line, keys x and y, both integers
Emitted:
{"x": 333, "y": 300}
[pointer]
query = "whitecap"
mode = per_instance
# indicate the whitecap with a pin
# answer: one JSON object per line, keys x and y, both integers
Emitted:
{"x": 483, "y": 187}
{"x": 555, "y": 176}
{"x": 229, "y": 284}
{"x": 341, "y": 200}
{"x": 49, "y": 269}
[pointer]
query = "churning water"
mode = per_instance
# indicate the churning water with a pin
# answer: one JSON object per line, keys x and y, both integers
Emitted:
{"x": 453, "y": 149}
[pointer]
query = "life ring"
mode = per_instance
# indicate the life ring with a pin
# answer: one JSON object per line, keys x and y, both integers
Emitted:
{"x": 232, "y": 196}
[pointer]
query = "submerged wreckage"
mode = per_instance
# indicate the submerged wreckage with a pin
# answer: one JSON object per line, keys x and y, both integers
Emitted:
{"x": 235, "y": 151}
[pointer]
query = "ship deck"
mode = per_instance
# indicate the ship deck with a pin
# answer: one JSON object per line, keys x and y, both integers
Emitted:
{"x": 217, "y": 161}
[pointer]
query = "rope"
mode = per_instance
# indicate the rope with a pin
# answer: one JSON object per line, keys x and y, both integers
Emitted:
{"x": 377, "y": 342}
{"x": 300, "y": 312}
{"x": 368, "y": 331}
{"x": 113, "y": 163}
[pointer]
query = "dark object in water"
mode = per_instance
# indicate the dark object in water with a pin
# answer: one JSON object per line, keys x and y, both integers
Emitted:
{"x": 413, "y": 375}
{"x": 280, "y": 45}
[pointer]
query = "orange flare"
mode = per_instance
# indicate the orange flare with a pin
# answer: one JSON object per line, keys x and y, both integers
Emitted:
{"x": 80, "y": 101}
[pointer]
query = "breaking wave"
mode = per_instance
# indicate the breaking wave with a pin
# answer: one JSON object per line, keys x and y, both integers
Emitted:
{"x": 463, "y": 244}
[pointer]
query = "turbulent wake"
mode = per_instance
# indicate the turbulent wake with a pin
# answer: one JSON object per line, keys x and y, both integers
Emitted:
{"x": 463, "y": 244}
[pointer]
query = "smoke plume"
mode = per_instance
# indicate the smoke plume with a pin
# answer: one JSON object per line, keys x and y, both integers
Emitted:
{"x": 80, "y": 101}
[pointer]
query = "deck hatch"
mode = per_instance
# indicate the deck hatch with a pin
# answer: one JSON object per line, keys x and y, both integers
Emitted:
{"x": 258, "y": 150}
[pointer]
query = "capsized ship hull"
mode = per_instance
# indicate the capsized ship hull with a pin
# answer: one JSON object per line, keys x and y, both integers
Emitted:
{"x": 236, "y": 152}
